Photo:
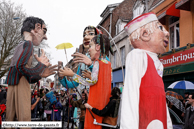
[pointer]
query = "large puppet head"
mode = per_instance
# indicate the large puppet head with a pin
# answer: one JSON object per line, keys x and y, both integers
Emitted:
{"x": 99, "y": 47}
{"x": 37, "y": 29}
{"x": 146, "y": 32}
{"x": 89, "y": 33}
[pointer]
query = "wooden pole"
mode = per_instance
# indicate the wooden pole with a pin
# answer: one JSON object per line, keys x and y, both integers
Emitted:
{"x": 66, "y": 55}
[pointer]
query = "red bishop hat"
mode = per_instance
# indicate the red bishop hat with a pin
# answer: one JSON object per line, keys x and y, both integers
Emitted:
{"x": 139, "y": 22}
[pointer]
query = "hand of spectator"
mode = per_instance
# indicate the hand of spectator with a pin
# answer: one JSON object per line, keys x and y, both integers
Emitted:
{"x": 87, "y": 74}
{"x": 66, "y": 72}
{"x": 43, "y": 59}
{"x": 88, "y": 106}
{"x": 50, "y": 70}
{"x": 68, "y": 94}
{"x": 81, "y": 58}
{"x": 86, "y": 92}
{"x": 38, "y": 98}
{"x": 182, "y": 114}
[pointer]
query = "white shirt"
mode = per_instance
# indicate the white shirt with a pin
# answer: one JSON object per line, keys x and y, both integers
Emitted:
{"x": 136, "y": 66}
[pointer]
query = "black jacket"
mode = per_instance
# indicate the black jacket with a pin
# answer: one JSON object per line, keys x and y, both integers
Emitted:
{"x": 2, "y": 96}
{"x": 189, "y": 119}
{"x": 109, "y": 109}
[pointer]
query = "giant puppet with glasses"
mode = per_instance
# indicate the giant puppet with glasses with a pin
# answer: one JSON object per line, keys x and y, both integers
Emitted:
{"x": 21, "y": 74}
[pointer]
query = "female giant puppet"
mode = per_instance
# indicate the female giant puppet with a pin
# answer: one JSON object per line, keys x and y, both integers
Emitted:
{"x": 100, "y": 82}
{"x": 143, "y": 99}
{"x": 88, "y": 34}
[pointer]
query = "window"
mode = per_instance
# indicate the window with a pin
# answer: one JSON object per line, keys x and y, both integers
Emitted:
{"x": 174, "y": 32}
{"x": 118, "y": 26}
{"x": 138, "y": 9}
{"x": 122, "y": 50}
{"x": 115, "y": 59}
{"x": 109, "y": 29}
{"x": 3, "y": 81}
{"x": 120, "y": 84}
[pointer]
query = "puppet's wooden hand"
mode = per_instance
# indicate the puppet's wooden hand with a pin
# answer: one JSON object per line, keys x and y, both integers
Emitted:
{"x": 49, "y": 71}
{"x": 87, "y": 74}
{"x": 66, "y": 72}
{"x": 81, "y": 58}
{"x": 43, "y": 59}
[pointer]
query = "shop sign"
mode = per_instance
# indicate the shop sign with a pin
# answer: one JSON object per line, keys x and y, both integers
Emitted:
{"x": 179, "y": 69}
{"x": 178, "y": 58}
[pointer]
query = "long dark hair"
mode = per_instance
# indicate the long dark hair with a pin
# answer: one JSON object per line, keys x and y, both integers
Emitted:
{"x": 115, "y": 92}
{"x": 104, "y": 43}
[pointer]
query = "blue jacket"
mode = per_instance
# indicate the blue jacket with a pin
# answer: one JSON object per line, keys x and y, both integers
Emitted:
{"x": 57, "y": 114}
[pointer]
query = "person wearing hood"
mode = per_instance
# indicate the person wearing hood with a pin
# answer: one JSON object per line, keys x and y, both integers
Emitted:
{"x": 57, "y": 110}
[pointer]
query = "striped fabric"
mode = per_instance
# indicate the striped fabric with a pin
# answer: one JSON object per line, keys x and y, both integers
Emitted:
{"x": 19, "y": 69}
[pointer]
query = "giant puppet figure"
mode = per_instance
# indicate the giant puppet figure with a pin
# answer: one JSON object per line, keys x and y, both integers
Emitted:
{"x": 100, "y": 82}
{"x": 20, "y": 73}
{"x": 88, "y": 34}
{"x": 143, "y": 100}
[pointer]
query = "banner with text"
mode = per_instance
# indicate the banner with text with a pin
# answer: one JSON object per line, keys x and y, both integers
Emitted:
{"x": 182, "y": 57}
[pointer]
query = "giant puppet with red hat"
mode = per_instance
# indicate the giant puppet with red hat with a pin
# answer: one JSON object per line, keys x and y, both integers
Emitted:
{"x": 143, "y": 100}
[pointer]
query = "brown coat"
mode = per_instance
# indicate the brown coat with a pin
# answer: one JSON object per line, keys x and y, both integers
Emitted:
{"x": 79, "y": 104}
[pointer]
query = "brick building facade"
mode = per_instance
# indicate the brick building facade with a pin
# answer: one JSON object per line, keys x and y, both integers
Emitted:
{"x": 114, "y": 18}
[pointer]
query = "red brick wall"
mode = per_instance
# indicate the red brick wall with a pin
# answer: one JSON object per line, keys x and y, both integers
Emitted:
{"x": 123, "y": 11}
{"x": 105, "y": 24}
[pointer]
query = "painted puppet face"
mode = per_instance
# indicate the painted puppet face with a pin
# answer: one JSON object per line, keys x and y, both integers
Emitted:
{"x": 88, "y": 35}
{"x": 39, "y": 35}
{"x": 159, "y": 39}
{"x": 94, "y": 50}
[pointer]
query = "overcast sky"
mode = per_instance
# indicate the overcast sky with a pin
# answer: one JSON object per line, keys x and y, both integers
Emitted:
{"x": 66, "y": 20}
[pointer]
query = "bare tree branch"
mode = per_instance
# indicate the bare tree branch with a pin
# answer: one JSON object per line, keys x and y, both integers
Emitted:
{"x": 10, "y": 34}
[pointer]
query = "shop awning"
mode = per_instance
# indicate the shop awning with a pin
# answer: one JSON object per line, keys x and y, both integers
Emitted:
{"x": 183, "y": 5}
{"x": 184, "y": 68}
{"x": 171, "y": 11}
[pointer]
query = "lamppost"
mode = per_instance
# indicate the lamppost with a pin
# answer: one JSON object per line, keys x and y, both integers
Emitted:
{"x": 116, "y": 49}
{"x": 16, "y": 18}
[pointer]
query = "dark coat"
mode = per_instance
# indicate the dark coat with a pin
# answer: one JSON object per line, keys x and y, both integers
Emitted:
{"x": 80, "y": 105}
{"x": 2, "y": 96}
{"x": 189, "y": 119}
{"x": 36, "y": 109}
{"x": 109, "y": 109}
